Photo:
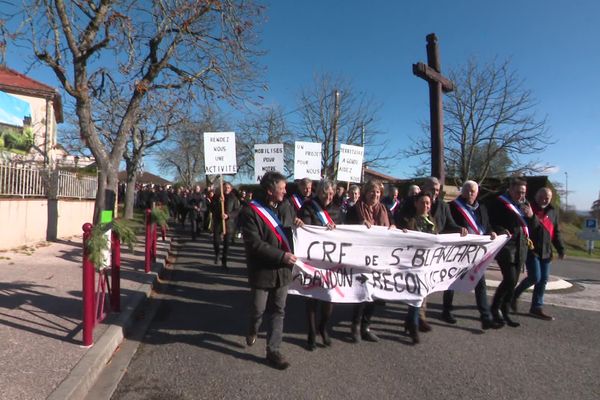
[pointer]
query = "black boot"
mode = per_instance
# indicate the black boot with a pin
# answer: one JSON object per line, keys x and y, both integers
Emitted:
{"x": 355, "y": 329}
{"x": 412, "y": 330}
{"x": 366, "y": 334}
{"x": 324, "y": 334}
{"x": 496, "y": 317}
{"x": 507, "y": 319}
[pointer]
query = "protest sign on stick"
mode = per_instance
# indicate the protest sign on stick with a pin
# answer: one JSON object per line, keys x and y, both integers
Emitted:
{"x": 307, "y": 160}
{"x": 350, "y": 164}
{"x": 219, "y": 153}
{"x": 267, "y": 157}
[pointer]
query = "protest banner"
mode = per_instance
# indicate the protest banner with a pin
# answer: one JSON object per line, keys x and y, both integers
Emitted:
{"x": 353, "y": 263}
{"x": 350, "y": 164}
{"x": 219, "y": 153}
{"x": 267, "y": 157}
{"x": 307, "y": 160}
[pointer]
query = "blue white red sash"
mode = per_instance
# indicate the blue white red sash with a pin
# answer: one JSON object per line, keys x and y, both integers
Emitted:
{"x": 468, "y": 215}
{"x": 272, "y": 222}
{"x": 296, "y": 201}
{"x": 322, "y": 214}
{"x": 517, "y": 212}
{"x": 393, "y": 206}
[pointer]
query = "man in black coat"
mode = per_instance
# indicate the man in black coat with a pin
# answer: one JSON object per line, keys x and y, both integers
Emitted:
{"x": 512, "y": 214}
{"x": 470, "y": 214}
{"x": 224, "y": 214}
{"x": 546, "y": 235}
{"x": 270, "y": 259}
{"x": 196, "y": 210}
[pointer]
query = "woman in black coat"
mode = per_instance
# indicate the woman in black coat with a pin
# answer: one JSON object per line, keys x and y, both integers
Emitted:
{"x": 321, "y": 211}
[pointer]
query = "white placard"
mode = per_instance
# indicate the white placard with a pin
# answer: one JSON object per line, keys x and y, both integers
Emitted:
{"x": 350, "y": 163}
{"x": 307, "y": 160}
{"x": 353, "y": 263}
{"x": 267, "y": 157}
{"x": 219, "y": 153}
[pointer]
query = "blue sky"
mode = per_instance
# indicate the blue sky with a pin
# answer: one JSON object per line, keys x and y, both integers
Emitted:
{"x": 553, "y": 46}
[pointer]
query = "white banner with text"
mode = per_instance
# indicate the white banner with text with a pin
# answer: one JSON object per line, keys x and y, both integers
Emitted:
{"x": 353, "y": 263}
{"x": 219, "y": 153}
{"x": 307, "y": 160}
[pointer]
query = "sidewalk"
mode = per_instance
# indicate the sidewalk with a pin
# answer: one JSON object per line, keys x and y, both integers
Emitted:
{"x": 41, "y": 310}
{"x": 41, "y": 318}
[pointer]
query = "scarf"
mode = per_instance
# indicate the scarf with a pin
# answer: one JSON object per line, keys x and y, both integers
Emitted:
{"x": 375, "y": 215}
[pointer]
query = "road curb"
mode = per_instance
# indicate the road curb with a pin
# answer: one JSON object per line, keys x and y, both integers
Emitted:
{"x": 85, "y": 373}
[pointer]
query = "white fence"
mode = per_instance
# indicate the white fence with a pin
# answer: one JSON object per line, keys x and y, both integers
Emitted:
{"x": 29, "y": 180}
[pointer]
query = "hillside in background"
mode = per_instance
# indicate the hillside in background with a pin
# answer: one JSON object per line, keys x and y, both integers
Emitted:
{"x": 571, "y": 223}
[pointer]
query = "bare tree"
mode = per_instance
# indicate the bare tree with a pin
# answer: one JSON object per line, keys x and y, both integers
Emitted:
{"x": 489, "y": 125}
{"x": 267, "y": 126}
{"x": 197, "y": 48}
{"x": 183, "y": 153}
{"x": 356, "y": 114}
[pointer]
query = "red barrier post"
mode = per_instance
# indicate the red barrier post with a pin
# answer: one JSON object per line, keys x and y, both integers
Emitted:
{"x": 88, "y": 290}
{"x": 154, "y": 240}
{"x": 148, "y": 248}
{"x": 115, "y": 272}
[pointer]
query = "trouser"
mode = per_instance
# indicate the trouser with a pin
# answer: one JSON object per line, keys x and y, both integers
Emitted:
{"x": 197, "y": 224}
{"x": 538, "y": 271}
{"x": 506, "y": 289}
{"x": 225, "y": 239}
{"x": 272, "y": 302}
{"x": 413, "y": 315}
{"x": 480, "y": 298}
{"x": 362, "y": 314}
{"x": 311, "y": 314}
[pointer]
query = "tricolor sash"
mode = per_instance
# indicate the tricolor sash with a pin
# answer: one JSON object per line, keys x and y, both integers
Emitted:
{"x": 322, "y": 214}
{"x": 545, "y": 221}
{"x": 296, "y": 201}
{"x": 272, "y": 222}
{"x": 517, "y": 212}
{"x": 393, "y": 207}
{"x": 469, "y": 216}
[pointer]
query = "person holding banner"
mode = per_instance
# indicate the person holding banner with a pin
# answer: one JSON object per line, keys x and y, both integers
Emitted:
{"x": 321, "y": 211}
{"x": 544, "y": 237}
{"x": 369, "y": 211}
{"x": 511, "y": 213}
{"x": 392, "y": 202}
{"x": 269, "y": 258}
{"x": 422, "y": 221}
{"x": 470, "y": 214}
{"x": 225, "y": 210}
{"x": 303, "y": 193}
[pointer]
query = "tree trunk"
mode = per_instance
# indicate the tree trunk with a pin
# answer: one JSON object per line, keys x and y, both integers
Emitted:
{"x": 130, "y": 190}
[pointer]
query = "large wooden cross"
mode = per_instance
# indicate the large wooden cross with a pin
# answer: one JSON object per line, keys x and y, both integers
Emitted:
{"x": 437, "y": 84}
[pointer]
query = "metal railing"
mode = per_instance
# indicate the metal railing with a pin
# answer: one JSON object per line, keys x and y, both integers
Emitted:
{"x": 29, "y": 180}
{"x": 81, "y": 187}
{"x": 21, "y": 180}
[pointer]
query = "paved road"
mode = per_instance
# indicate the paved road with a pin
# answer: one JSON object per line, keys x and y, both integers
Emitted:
{"x": 194, "y": 349}
{"x": 585, "y": 276}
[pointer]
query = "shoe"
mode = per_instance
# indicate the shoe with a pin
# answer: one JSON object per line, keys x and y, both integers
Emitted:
{"x": 355, "y": 333}
{"x": 276, "y": 360}
{"x": 224, "y": 264}
{"x": 216, "y": 259}
{"x": 510, "y": 322}
{"x": 325, "y": 337}
{"x": 250, "y": 339}
{"x": 412, "y": 331}
{"x": 491, "y": 324}
{"x": 424, "y": 326}
{"x": 448, "y": 317}
{"x": 311, "y": 343}
{"x": 538, "y": 313}
{"x": 366, "y": 334}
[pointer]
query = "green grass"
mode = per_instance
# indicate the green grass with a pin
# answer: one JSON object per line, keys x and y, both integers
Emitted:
{"x": 575, "y": 246}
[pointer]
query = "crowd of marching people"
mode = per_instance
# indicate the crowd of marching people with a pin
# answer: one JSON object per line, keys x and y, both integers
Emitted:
{"x": 266, "y": 223}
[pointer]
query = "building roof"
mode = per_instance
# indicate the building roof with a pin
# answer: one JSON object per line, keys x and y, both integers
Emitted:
{"x": 380, "y": 176}
{"x": 14, "y": 82}
{"x": 145, "y": 177}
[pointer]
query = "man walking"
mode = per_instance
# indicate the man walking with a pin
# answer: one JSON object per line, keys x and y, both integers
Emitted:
{"x": 470, "y": 214}
{"x": 543, "y": 237}
{"x": 269, "y": 259}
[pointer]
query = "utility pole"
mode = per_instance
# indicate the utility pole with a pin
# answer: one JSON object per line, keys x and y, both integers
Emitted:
{"x": 566, "y": 191}
{"x": 334, "y": 129}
